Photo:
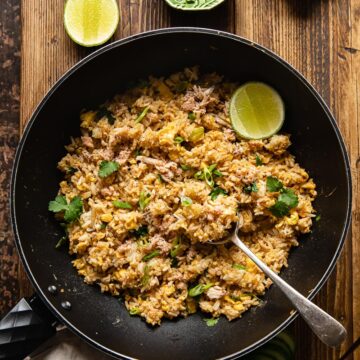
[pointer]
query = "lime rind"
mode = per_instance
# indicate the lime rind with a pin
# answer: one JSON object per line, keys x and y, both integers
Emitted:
{"x": 256, "y": 117}
{"x": 100, "y": 40}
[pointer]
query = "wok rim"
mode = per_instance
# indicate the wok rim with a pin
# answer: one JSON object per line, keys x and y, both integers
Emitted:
{"x": 109, "y": 47}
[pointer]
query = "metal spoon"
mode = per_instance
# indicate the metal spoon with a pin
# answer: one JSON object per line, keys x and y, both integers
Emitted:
{"x": 326, "y": 328}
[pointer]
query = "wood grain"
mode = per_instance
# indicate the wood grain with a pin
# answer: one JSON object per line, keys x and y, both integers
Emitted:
{"x": 321, "y": 38}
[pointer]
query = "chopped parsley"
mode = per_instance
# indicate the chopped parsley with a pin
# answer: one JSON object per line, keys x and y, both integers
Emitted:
{"x": 151, "y": 255}
{"x": 141, "y": 231}
{"x": 72, "y": 211}
{"x": 191, "y": 116}
{"x": 104, "y": 112}
{"x": 107, "y": 168}
{"x": 216, "y": 192}
{"x": 122, "y": 204}
{"x": 144, "y": 200}
{"x": 248, "y": 189}
{"x": 199, "y": 289}
{"x": 285, "y": 202}
{"x": 179, "y": 139}
{"x": 239, "y": 267}
{"x": 211, "y": 322}
{"x": 273, "y": 184}
{"x": 258, "y": 161}
{"x": 142, "y": 115}
{"x": 185, "y": 201}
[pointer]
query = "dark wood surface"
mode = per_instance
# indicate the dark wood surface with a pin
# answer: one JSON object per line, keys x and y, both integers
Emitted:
{"x": 321, "y": 38}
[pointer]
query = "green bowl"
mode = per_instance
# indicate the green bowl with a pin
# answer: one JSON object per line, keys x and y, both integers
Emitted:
{"x": 194, "y": 5}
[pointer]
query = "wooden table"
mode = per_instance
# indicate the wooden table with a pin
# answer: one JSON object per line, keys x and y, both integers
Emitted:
{"x": 321, "y": 38}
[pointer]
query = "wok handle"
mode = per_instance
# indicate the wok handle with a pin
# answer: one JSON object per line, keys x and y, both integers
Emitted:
{"x": 25, "y": 327}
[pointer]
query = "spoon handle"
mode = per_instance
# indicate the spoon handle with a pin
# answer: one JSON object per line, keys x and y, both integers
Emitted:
{"x": 327, "y": 329}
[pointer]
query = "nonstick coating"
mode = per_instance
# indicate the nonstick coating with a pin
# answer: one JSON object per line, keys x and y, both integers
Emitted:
{"x": 102, "y": 319}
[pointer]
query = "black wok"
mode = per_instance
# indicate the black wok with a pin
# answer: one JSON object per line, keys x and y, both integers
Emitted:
{"x": 101, "y": 319}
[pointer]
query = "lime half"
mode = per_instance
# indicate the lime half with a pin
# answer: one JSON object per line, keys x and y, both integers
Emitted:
{"x": 91, "y": 22}
{"x": 256, "y": 111}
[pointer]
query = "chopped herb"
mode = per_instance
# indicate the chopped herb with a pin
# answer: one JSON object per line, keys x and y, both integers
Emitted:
{"x": 146, "y": 276}
{"x": 251, "y": 188}
{"x": 181, "y": 86}
{"x": 103, "y": 226}
{"x": 216, "y": 192}
{"x": 72, "y": 210}
{"x": 318, "y": 217}
{"x": 273, "y": 184}
{"x": 175, "y": 247}
{"x": 179, "y": 140}
{"x": 239, "y": 267}
{"x": 174, "y": 262}
{"x": 134, "y": 311}
{"x": 142, "y": 115}
{"x": 104, "y": 112}
{"x": 286, "y": 201}
{"x": 185, "y": 167}
{"x": 151, "y": 255}
{"x": 144, "y": 200}
{"x": 211, "y": 322}
{"x": 258, "y": 161}
{"x": 185, "y": 201}
{"x": 107, "y": 168}
{"x": 141, "y": 231}
{"x": 208, "y": 177}
{"x": 199, "y": 175}
{"x": 71, "y": 170}
{"x": 122, "y": 204}
{"x": 217, "y": 173}
{"x": 207, "y": 174}
{"x": 191, "y": 116}
{"x": 199, "y": 289}
{"x": 197, "y": 134}
{"x": 161, "y": 179}
{"x": 61, "y": 242}
{"x": 138, "y": 152}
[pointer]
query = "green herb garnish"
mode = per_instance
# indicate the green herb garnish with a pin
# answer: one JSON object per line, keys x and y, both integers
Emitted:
{"x": 285, "y": 202}
{"x": 179, "y": 139}
{"x": 141, "y": 231}
{"x": 207, "y": 174}
{"x": 72, "y": 210}
{"x": 138, "y": 152}
{"x": 258, "y": 161}
{"x": 251, "y": 188}
{"x": 142, "y": 115}
{"x": 151, "y": 255}
{"x": 103, "y": 226}
{"x": 239, "y": 267}
{"x": 185, "y": 201}
{"x": 211, "y": 322}
{"x": 191, "y": 116}
{"x": 199, "y": 289}
{"x": 104, "y": 112}
{"x": 175, "y": 247}
{"x": 146, "y": 276}
{"x": 144, "y": 200}
{"x": 71, "y": 170}
{"x": 160, "y": 178}
{"x": 216, "y": 192}
{"x": 107, "y": 168}
{"x": 134, "y": 311}
{"x": 185, "y": 167}
{"x": 273, "y": 184}
{"x": 122, "y": 204}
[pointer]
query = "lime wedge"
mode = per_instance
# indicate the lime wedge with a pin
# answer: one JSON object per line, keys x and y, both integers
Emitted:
{"x": 256, "y": 111}
{"x": 91, "y": 22}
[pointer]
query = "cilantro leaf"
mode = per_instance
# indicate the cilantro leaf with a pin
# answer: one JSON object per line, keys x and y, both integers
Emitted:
{"x": 144, "y": 200}
{"x": 239, "y": 267}
{"x": 59, "y": 204}
{"x": 122, "y": 204}
{"x": 251, "y": 188}
{"x": 216, "y": 192}
{"x": 289, "y": 198}
{"x": 142, "y": 115}
{"x": 74, "y": 209}
{"x": 151, "y": 255}
{"x": 199, "y": 289}
{"x": 107, "y": 168}
{"x": 104, "y": 112}
{"x": 279, "y": 209}
{"x": 273, "y": 184}
{"x": 258, "y": 161}
{"x": 211, "y": 322}
{"x": 185, "y": 201}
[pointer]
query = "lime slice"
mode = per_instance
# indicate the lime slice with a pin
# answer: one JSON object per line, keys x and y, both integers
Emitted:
{"x": 256, "y": 111}
{"x": 91, "y": 22}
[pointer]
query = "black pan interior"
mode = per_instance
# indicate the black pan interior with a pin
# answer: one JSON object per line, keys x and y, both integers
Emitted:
{"x": 102, "y": 319}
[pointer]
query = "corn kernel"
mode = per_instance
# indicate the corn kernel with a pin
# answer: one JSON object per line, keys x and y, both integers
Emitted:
{"x": 106, "y": 218}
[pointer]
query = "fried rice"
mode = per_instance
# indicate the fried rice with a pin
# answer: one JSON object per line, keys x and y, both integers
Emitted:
{"x": 182, "y": 178}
